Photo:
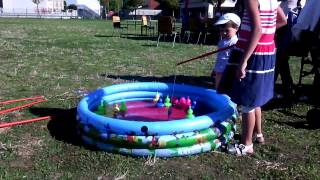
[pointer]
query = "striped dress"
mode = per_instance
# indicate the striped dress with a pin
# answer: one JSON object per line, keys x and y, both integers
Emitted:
{"x": 256, "y": 89}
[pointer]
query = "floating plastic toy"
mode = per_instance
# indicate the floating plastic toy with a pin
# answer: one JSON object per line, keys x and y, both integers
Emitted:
{"x": 147, "y": 129}
{"x": 190, "y": 113}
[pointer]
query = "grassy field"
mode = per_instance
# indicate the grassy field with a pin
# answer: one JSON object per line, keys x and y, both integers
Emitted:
{"x": 64, "y": 59}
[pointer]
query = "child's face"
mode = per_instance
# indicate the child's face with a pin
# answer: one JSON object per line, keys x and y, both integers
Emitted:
{"x": 227, "y": 32}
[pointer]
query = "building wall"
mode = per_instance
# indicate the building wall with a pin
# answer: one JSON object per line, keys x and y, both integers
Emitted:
{"x": 45, "y": 6}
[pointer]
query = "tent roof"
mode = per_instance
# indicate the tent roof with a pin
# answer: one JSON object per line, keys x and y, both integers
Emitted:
{"x": 148, "y": 12}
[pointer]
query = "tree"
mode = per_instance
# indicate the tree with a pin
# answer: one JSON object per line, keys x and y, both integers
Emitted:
{"x": 133, "y": 4}
{"x": 37, "y": 2}
{"x": 169, "y": 5}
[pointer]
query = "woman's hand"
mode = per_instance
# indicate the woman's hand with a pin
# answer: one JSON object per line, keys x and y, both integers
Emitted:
{"x": 241, "y": 71}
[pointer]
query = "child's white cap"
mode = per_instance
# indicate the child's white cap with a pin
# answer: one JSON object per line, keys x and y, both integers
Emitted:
{"x": 228, "y": 17}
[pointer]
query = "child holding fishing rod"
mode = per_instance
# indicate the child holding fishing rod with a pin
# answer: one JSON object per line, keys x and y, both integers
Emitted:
{"x": 250, "y": 71}
{"x": 228, "y": 24}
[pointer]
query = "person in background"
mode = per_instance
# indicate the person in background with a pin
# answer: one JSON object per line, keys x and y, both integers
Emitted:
{"x": 291, "y": 9}
{"x": 308, "y": 22}
{"x": 253, "y": 60}
{"x": 229, "y": 24}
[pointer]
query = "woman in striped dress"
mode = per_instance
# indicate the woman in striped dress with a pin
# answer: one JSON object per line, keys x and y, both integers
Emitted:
{"x": 253, "y": 60}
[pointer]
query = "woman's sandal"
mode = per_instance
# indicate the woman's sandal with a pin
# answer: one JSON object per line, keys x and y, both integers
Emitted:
{"x": 240, "y": 149}
{"x": 259, "y": 138}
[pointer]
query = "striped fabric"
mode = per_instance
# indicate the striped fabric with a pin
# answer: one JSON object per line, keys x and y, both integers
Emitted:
{"x": 268, "y": 18}
{"x": 256, "y": 89}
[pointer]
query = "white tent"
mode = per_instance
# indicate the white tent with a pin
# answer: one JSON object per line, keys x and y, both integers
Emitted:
{"x": 147, "y": 12}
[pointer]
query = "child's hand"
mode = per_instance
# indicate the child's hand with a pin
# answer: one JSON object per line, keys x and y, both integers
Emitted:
{"x": 241, "y": 72}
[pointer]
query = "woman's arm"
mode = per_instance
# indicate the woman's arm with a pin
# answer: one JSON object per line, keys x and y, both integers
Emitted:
{"x": 253, "y": 11}
{"x": 281, "y": 18}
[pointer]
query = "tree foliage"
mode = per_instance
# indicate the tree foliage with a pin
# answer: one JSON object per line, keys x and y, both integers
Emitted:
{"x": 37, "y": 2}
{"x": 132, "y": 4}
{"x": 169, "y": 4}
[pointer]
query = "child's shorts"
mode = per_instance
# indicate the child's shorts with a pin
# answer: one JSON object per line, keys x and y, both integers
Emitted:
{"x": 220, "y": 66}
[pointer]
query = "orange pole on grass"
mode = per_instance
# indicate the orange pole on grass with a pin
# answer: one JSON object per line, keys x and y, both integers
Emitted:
{"x": 21, "y": 106}
{"x": 3, "y": 125}
{"x": 204, "y": 55}
{"x": 22, "y": 99}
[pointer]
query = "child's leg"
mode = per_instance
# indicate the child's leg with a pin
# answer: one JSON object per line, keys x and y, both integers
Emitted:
{"x": 257, "y": 127}
{"x": 248, "y": 124}
{"x": 217, "y": 79}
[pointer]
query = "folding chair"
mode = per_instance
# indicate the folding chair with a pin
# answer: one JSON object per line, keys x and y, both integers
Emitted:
{"x": 117, "y": 25}
{"x": 146, "y": 25}
{"x": 302, "y": 49}
{"x": 166, "y": 26}
{"x": 211, "y": 29}
{"x": 195, "y": 27}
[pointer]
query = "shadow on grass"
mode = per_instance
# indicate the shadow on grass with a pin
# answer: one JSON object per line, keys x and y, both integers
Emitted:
{"x": 306, "y": 93}
{"x": 202, "y": 81}
{"x": 311, "y": 121}
{"x": 63, "y": 125}
{"x": 297, "y": 124}
{"x": 103, "y": 35}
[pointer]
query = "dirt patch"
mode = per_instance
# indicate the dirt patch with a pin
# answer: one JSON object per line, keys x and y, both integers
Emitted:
{"x": 21, "y": 163}
{"x": 4, "y": 130}
{"x": 27, "y": 145}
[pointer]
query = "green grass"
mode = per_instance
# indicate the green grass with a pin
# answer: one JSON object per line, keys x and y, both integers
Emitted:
{"x": 62, "y": 59}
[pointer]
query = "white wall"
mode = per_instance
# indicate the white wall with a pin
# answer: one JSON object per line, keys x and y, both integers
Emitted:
{"x": 21, "y": 6}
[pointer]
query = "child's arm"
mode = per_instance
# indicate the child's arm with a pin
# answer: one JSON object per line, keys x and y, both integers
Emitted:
{"x": 253, "y": 11}
{"x": 281, "y": 18}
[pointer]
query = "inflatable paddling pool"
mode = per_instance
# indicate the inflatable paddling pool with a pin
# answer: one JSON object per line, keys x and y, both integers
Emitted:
{"x": 140, "y": 119}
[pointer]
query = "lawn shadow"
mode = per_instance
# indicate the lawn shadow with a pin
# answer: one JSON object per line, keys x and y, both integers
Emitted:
{"x": 63, "y": 125}
{"x": 296, "y": 124}
{"x": 310, "y": 123}
{"x": 102, "y": 35}
{"x": 303, "y": 94}
{"x": 202, "y": 81}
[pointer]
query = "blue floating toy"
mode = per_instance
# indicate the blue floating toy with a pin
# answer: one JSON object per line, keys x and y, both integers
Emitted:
{"x": 160, "y": 103}
{"x": 193, "y": 104}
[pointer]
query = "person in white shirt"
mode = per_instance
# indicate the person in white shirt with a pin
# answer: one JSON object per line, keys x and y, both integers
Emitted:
{"x": 229, "y": 24}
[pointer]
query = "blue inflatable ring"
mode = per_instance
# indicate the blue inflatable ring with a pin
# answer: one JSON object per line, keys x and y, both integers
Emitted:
{"x": 221, "y": 105}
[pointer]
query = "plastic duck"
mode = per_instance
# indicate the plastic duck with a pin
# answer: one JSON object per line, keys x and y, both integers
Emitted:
{"x": 175, "y": 101}
{"x": 156, "y": 98}
{"x": 160, "y": 103}
{"x": 167, "y": 102}
{"x": 182, "y": 101}
{"x": 116, "y": 108}
{"x": 190, "y": 113}
{"x": 188, "y": 101}
{"x": 105, "y": 106}
{"x": 193, "y": 104}
{"x": 123, "y": 106}
{"x": 100, "y": 110}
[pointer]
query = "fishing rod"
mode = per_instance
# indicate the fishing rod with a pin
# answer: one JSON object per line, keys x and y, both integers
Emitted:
{"x": 205, "y": 55}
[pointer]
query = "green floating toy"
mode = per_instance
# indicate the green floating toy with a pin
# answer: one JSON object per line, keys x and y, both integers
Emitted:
{"x": 123, "y": 106}
{"x": 190, "y": 113}
{"x": 167, "y": 102}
